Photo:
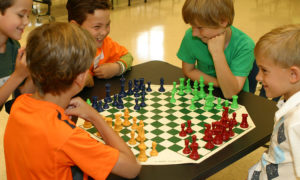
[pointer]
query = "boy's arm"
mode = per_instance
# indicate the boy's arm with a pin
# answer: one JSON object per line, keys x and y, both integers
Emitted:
{"x": 126, "y": 166}
{"x": 127, "y": 61}
{"x": 16, "y": 77}
{"x": 223, "y": 72}
{"x": 193, "y": 73}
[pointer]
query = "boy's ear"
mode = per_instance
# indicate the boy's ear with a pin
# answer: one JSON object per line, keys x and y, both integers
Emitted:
{"x": 80, "y": 79}
{"x": 224, "y": 23}
{"x": 294, "y": 74}
{"x": 74, "y": 22}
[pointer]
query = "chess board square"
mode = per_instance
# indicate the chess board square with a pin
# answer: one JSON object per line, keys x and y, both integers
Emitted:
{"x": 173, "y": 131}
{"x": 149, "y": 114}
{"x": 125, "y": 138}
{"x": 214, "y": 111}
{"x": 150, "y": 135}
{"x": 159, "y": 148}
{"x": 164, "y": 114}
{"x": 156, "y": 105}
{"x": 141, "y": 117}
{"x": 166, "y": 143}
{"x": 203, "y": 151}
{"x": 168, "y": 93}
{"x": 199, "y": 111}
{"x": 183, "y": 99}
{"x": 165, "y": 128}
{"x": 215, "y": 117}
{"x": 129, "y": 98}
{"x": 185, "y": 111}
{"x": 170, "y": 111}
{"x": 156, "y": 117}
{"x": 142, "y": 111}
{"x": 178, "y": 114}
{"x": 171, "y": 117}
{"x": 158, "y": 139}
{"x": 184, "y": 105}
{"x": 128, "y": 104}
{"x": 92, "y": 130}
{"x": 156, "y": 99}
{"x": 238, "y": 130}
{"x": 157, "y": 124}
{"x": 186, "y": 117}
{"x": 155, "y": 93}
{"x": 172, "y": 124}
{"x": 201, "y": 117}
{"x": 170, "y": 105}
{"x": 113, "y": 110}
{"x": 156, "y": 111}
{"x": 175, "y": 148}
{"x": 125, "y": 131}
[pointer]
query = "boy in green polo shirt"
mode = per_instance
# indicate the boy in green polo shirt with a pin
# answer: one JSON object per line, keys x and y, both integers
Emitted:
{"x": 213, "y": 48}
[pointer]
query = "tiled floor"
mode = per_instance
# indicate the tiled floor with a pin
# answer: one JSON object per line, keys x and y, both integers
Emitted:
{"x": 153, "y": 31}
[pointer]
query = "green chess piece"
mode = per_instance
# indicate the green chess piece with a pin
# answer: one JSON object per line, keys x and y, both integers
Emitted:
{"x": 192, "y": 106}
{"x": 181, "y": 87}
{"x": 173, "y": 100}
{"x": 219, "y": 105}
{"x": 208, "y": 103}
{"x": 174, "y": 87}
{"x": 234, "y": 104}
{"x": 88, "y": 101}
{"x": 195, "y": 87}
{"x": 226, "y": 103}
{"x": 188, "y": 88}
{"x": 210, "y": 89}
{"x": 201, "y": 93}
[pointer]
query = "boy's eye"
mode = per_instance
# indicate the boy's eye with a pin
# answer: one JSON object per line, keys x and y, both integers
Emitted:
{"x": 21, "y": 15}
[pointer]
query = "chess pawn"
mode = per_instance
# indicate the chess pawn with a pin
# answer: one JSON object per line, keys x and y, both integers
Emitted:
{"x": 126, "y": 112}
{"x": 118, "y": 125}
{"x": 109, "y": 121}
{"x": 87, "y": 124}
{"x": 126, "y": 122}
{"x": 132, "y": 141}
{"x": 142, "y": 157}
{"x": 141, "y": 123}
{"x": 141, "y": 133}
{"x": 154, "y": 151}
{"x": 134, "y": 125}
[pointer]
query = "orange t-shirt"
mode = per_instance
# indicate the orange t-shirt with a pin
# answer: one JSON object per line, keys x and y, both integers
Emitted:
{"x": 109, "y": 52}
{"x": 40, "y": 142}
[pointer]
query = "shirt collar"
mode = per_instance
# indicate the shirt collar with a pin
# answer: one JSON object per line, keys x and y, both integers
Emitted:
{"x": 284, "y": 107}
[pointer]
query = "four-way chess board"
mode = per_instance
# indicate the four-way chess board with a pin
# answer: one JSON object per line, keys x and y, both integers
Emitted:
{"x": 162, "y": 124}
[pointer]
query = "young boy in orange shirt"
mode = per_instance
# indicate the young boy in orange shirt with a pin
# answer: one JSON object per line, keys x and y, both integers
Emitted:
{"x": 13, "y": 20}
{"x": 40, "y": 140}
{"x": 111, "y": 59}
{"x": 278, "y": 58}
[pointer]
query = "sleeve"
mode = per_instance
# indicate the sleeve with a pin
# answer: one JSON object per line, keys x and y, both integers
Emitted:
{"x": 294, "y": 138}
{"x": 127, "y": 60}
{"x": 243, "y": 58}
{"x": 92, "y": 157}
{"x": 114, "y": 50}
{"x": 184, "y": 52}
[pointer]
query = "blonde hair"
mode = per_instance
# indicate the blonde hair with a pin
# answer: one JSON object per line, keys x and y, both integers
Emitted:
{"x": 56, "y": 54}
{"x": 208, "y": 12}
{"x": 282, "y": 45}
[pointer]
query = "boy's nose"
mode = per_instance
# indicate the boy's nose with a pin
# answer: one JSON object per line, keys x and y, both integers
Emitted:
{"x": 258, "y": 76}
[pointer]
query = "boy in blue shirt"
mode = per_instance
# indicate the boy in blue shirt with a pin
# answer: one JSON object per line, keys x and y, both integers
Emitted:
{"x": 213, "y": 48}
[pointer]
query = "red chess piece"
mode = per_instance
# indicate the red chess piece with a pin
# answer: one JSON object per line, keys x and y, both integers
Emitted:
{"x": 194, "y": 154}
{"x": 218, "y": 138}
{"x": 225, "y": 134}
{"x": 189, "y": 129}
{"x": 244, "y": 123}
{"x": 209, "y": 144}
{"x": 182, "y": 132}
{"x": 234, "y": 119}
{"x": 186, "y": 150}
{"x": 231, "y": 132}
{"x": 207, "y": 132}
{"x": 194, "y": 139}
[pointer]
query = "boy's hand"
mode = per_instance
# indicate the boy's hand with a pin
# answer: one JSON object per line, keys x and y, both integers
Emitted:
{"x": 21, "y": 65}
{"x": 107, "y": 70}
{"x": 78, "y": 107}
{"x": 216, "y": 44}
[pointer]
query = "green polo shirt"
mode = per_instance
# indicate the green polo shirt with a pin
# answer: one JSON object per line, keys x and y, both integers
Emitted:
{"x": 239, "y": 54}
{"x": 8, "y": 58}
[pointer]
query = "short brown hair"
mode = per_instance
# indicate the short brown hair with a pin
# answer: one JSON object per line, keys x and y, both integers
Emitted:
{"x": 56, "y": 54}
{"x": 4, "y": 4}
{"x": 78, "y": 9}
{"x": 208, "y": 12}
{"x": 282, "y": 45}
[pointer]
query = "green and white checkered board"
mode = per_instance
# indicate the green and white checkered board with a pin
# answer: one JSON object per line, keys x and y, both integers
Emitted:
{"x": 163, "y": 121}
